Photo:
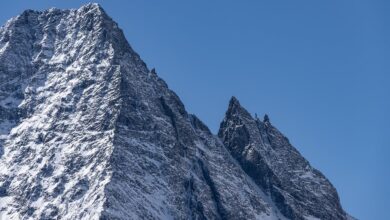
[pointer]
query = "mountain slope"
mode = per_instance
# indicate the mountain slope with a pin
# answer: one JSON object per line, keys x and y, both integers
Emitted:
{"x": 87, "y": 131}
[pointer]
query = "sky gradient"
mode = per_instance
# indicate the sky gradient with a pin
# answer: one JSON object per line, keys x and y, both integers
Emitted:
{"x": 319, "y": 69}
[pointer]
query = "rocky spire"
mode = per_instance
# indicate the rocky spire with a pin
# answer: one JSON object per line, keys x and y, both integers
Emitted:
{"x": 266, "y": 119}
{"x": 236, "y": 108}
{"x": 234, "y": 104}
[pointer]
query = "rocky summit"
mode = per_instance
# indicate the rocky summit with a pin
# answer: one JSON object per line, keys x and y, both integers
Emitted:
{"x": 87, "y": 131}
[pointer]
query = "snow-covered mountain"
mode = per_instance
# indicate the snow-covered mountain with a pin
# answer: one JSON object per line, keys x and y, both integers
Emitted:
{"x": 87, "y": 131}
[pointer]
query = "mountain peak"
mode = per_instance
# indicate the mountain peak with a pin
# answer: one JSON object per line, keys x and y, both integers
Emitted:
{"x": 87, "y": 8}
{"x": 95, "y": 9}
{"x": 234, "y": 100}
{"x": 234, "y": 103}
{"x": 266, "y": 155}
{"x": 91, "y": 6}
{"x": 235, "y": 109}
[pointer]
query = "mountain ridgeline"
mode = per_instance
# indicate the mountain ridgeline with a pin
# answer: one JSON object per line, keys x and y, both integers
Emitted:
{"x": 87, "y": 131}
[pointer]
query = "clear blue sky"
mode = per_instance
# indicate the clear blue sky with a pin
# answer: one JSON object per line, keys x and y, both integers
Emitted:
{"x": 320, "y": 69}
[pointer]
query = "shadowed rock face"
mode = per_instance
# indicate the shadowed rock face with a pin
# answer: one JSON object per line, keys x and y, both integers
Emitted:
{"x": 88, "y": 132}
{"x": 267, "y": 156}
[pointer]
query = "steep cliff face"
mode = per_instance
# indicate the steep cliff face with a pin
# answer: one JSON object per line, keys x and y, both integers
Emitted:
{"x": 299, "y": 190}
{"x": 87, "y": 131}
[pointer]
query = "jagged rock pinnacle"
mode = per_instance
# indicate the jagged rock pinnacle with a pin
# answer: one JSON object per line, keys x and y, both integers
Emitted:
{"x": 266, "y": 119}
{"x": 234, "y": 102}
